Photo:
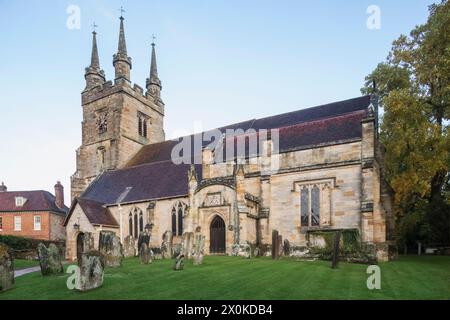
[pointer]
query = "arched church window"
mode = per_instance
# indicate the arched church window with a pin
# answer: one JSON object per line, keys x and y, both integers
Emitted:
{"x": 141, "y": 222}
{"x": 174, "y": 221}
{"x": 180, "y": 221}
{"x": 130, "y": 224}
{"x": 135, "y": 223}
{"x": 178, "y": 212}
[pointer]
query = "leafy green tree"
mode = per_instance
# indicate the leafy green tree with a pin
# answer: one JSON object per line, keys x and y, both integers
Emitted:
{"x": 414, "y": 88}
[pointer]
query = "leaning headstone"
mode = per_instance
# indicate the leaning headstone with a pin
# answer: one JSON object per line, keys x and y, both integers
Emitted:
{"x": 335, "y": 253}
{"x": 179, "y": 263}
{"x": 257, "y": 252}
{"x": 109, "y": 245}
{"x": 129, "y": 247}
{"x": 199, "y": 249}
{"x": 275, "y": 244}
{"x": 145, "y": 254}
{"x": 6, "y": 268}
{"x": 166, "y": 246}
{"x": 91, "y": 271}
{"x": 286, "y": 248}
{"x": 49, "y": 259}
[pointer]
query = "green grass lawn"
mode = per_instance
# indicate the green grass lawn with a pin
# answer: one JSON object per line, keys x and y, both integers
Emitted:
{"x": 221, "y": 277}
{"x": 23, "y": 263}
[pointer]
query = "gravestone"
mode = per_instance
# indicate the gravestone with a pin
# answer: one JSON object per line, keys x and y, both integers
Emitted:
{"x": 49, "y": 259}
{"x": 199, "y": 249}
{"x": 179, "y": 263}
{"x": 90, "y": 276}
{"x": 257, "y": 252}
{"x": 275, "y": 244}
{"x": 188, "y": 245}
{"x": 6, "y": 268}
{"x": 280, "y": 245}
{"x": 286, "y": 248}
{"x": 109, "y": 245}
{"x": 144, "y": 237}
{"x": 145, "y": 254}
{"x": 156, "y": 253}
{"x": 335, "y": 253}
{"x": 166, "y": 245}
{"x": 129, "y": 247}
{"x": 87, "y": 244}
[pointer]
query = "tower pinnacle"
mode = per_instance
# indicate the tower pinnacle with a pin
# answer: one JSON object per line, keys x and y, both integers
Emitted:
{"x": 94, "y": 75}
{"x": 121, "y": 61}
{"x": 153, "y": 83}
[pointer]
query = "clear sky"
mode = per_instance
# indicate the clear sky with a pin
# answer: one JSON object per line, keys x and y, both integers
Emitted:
{"x": 220, "y": 62}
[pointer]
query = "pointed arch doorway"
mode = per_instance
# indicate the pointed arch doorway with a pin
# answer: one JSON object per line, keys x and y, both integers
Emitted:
{"x": 217, "y": 236}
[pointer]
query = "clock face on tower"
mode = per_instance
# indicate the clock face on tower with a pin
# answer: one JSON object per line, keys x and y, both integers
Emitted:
{"x": 102, "y": 122}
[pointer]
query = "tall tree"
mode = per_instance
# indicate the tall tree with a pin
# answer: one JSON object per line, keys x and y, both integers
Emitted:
{"x": 414, "y": 87}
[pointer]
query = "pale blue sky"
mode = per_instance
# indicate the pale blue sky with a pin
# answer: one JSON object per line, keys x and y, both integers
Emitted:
{"x": 219, "y": 62}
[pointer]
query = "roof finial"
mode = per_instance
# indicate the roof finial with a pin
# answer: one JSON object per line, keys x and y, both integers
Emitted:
{"x": 153, "y": 39}
{"x": 121, "y": 13}
{"x": 94, "y": 26}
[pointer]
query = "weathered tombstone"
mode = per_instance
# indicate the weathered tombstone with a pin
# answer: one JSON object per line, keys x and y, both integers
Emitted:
{"x": 199, "y": 248}
{"x": 49, "y": 259}
{"x": 109, "y": 245}
{"x": 280, "y": 245}
{"x": 257, "y": 252}
{"x": 166, "y": 246}
{"x": 6, "y": 268}
{"x": 335, "y": 253}
{"x": 177, "y": 249}
{"x": 92, "y": 265}
{"x": 129, "y": 247}
{"x": 179, "y": 263}
{"x": 187, "y": 244}
{"x": 144, "y": 237}
{"x": 86, "y": 244}
{"x": 286, "y": 248}
{"x": 156, "y": 253}
{"x": 145, "y": 254}
{"x": 275, "y": 244}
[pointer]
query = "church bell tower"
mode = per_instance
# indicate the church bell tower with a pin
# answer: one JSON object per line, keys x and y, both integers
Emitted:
{"x": 118, "y": 117}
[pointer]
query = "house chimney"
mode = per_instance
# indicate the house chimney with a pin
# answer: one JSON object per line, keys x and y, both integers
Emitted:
{"x": 3, "y": 188}
{"x": 59, "y": 195}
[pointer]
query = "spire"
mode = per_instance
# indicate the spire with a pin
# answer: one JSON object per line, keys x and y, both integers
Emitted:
{"x": 94, "y": 56}
{"x": 153, "y": 67}
{"x": 122, "y": 47}
{"x": 121, "y": 61}
{"x": 94, "y": 75}
{"x": 153, "y": 83}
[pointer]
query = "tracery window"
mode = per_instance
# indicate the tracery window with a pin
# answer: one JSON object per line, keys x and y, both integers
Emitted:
{"x": 315, "y": 203}
{"x": 135, "y": 222}
{"x": 178, "y": 212}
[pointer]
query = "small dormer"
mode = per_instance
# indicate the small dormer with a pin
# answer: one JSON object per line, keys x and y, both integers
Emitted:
{"x": 20, "y": 201}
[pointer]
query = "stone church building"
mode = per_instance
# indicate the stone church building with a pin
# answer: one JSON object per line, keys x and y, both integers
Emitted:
{"x": 316, "y": 169}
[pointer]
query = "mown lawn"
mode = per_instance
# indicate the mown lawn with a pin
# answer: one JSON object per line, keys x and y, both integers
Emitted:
{"x": 23, "y": 263}
{"x": 220, "y": 277}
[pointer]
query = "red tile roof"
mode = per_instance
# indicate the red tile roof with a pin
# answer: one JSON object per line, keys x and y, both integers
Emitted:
{"x": 38, "y": 200}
